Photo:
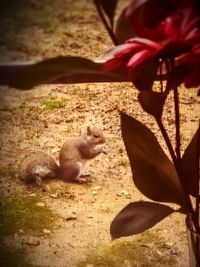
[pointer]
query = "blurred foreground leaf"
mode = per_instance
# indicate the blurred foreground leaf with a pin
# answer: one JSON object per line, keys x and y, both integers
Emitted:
{"x": 137, "y": 217}
{"x": 58, "y": 67}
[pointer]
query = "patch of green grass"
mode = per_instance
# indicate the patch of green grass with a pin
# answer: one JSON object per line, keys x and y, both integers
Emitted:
{"x": 144, "y": 250}
{"x": 23, "y": 213}
{"x": 54, "y": 103}
{"x": 123, "y": 161}
{"x": 13, "y": 257}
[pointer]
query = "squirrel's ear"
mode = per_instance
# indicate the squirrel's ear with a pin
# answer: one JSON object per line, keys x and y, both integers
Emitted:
{"x": 89, "y": 132}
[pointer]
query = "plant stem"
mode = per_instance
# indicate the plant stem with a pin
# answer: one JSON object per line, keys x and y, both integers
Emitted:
{"x": 167, "y": 140}
{"x": 198, "y": 178}
{"x": 105, "y": 23}
{"x": 161, "y": 75}
{"x": 176, "y": 157}
{"x": 177, "y": 123}
{"x": 178, "y": 162}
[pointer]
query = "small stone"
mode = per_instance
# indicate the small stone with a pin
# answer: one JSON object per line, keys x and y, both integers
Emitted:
{"x": 21, "y": 231}
{"x": 46, "y": 231}
{"x": 159, "y": 252}
{"x": 31, "y": 241}
{"x": 125, "y": 193}
{"x": 53, "y": 195}
{"x": 32, "y": 195}
{"x": 94, "y": 193}
{"x": 97, "y": 188}
{"x": 40, "y": 204}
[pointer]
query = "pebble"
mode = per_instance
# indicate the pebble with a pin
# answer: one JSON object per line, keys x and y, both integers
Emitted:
{"x": 159, "y": 253}
{"x": 31, "y": 241}
{"x": 94, "y": 193}
{"x": 32, "y": 195}
{"x": 97, "y": 188}
{"x": 46, "y": 231}
{"x": 53, "y": 195}
{"x": 40, "y": 204}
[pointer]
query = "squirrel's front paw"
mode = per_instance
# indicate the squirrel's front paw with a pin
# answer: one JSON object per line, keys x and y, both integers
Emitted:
{"x": 81, "y": 180}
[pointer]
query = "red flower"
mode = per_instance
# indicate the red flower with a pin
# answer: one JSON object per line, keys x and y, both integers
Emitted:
{"x": 132, "y": 54}
{"x": 173, "y": 37}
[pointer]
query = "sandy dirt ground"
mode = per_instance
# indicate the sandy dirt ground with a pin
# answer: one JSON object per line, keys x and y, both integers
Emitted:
{"x": 27, "y": 126}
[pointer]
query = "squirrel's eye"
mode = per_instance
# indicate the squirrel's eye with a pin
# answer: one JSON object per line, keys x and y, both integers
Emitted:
{"x": 96, "y": 136}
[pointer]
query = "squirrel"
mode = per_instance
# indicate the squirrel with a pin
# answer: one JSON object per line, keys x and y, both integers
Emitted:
{"x": 72, "y": 154}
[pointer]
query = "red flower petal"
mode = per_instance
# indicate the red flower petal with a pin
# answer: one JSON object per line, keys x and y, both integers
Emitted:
{"x": 112, "y": 64}
{"x": 122, "y": 49}
{"x": 145, "y": 42}
{"x": 190, "y": 20}
{"x": 139, "y": 57}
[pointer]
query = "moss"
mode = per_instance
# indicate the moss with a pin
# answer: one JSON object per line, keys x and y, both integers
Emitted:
{"x": 23, "y": 213}
{"x": 54, "y": 103}
{"x": 144, "y": 250}
{"x": 123, "y": 161}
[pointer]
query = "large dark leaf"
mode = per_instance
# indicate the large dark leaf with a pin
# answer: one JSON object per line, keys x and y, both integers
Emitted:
{"x": 190, "y": 165}
{"x": 153, "y": 172}
{"x": 152, "y": 102}
{"x": 137, "y": 217}
{"x": 109, "y": 8}
{"x": 54, "y": 68}
{"x": 123, "y": 29}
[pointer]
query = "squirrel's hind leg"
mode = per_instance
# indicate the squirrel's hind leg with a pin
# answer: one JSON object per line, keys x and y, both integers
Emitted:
{"x": 83, "y": 174}
{"x": 72, "y": 173}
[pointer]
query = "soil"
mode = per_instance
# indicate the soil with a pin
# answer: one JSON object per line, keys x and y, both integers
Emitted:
{"x": 27, "y": 125}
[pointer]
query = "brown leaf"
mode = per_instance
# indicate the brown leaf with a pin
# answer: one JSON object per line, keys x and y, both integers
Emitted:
{"x": 137, "y": 217}
{"x": 153, "y": 172}
{"x": 190, "y": 165}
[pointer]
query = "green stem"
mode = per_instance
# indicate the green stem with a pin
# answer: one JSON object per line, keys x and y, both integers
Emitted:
{"x": 105, "y": 23}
